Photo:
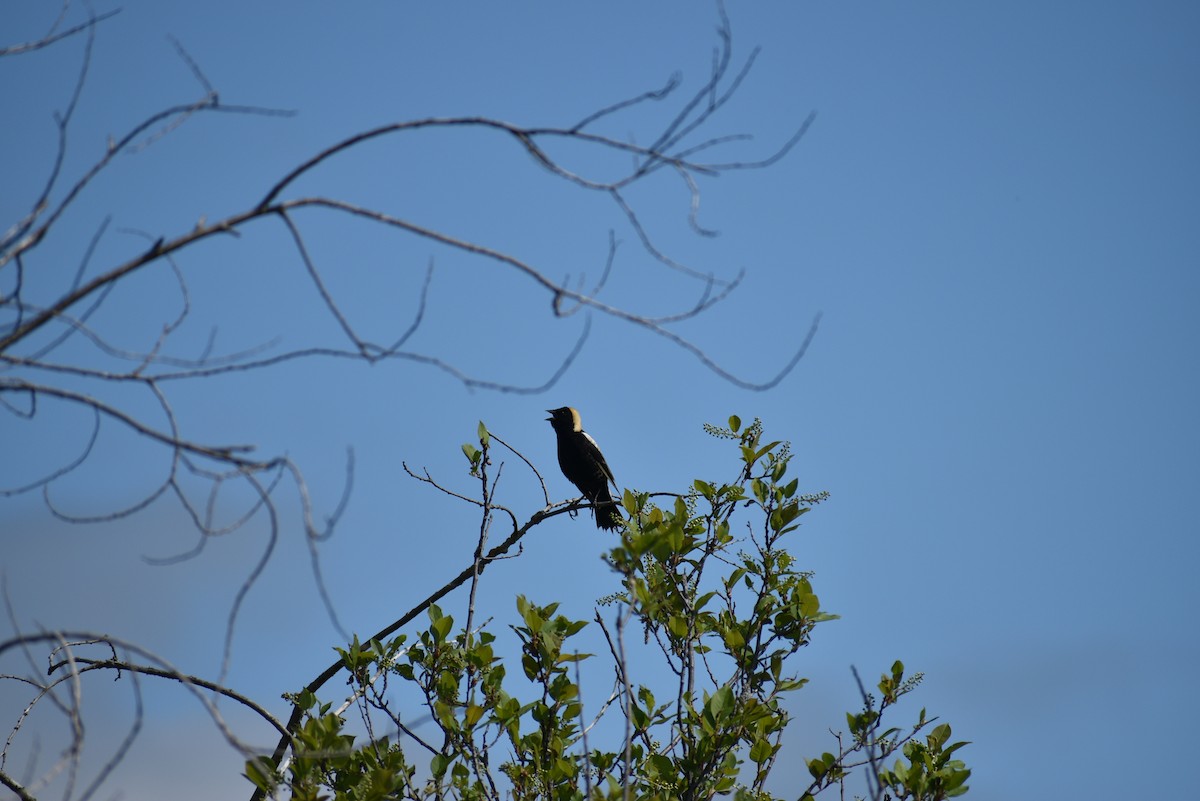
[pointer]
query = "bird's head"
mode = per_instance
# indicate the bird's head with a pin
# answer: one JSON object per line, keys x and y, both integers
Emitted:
{"x": 564, "y": 419}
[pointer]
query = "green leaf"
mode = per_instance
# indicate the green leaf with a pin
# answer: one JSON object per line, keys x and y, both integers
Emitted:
{"x": 640, "y": 718}
{"x": 440, "y": 628}
{"x": 662, "y": 765}
{"x": 764, "y": 449}
{"x": 955, "y": 747}
{"x": 820, "y": 767}
{"x": 810, "y": 605}
{"x": 484, "y": 438}
{"x": 735, "y": 423}
{"x": 260, "y": 774}
{"x": 761, "y": 751}
{"x": 734, "y": 577}
{"x": 734, "y": 640}
{"x": 721, "y": 702}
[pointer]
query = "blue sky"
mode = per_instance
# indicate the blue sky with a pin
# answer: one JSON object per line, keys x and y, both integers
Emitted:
{"x": 995, "y": 213}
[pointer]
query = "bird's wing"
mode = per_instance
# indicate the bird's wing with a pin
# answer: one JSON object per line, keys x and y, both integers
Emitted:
{"x": 600, "y": 458}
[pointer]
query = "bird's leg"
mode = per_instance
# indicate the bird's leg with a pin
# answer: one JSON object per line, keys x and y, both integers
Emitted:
{"x": 573, "y": 509}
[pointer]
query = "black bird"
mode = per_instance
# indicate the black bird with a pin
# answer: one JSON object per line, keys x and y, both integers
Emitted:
{"x": 584, "y": 466}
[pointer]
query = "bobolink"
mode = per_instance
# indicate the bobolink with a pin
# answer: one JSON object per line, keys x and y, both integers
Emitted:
{"x": 584, "y": 466}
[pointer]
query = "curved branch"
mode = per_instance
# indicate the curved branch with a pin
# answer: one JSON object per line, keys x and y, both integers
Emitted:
{"x": 62, "y": 471}
{"x": 162, "y": 673}
{"x": 227, "y": 453}
{"x": 15, "y": 786}
{"x": 164, "y": 669}
{"x": 126, "y": 742}
{"x": 269, "y": 206}
{"x": 529, "y": 464}
{"x": 46, "y": 41}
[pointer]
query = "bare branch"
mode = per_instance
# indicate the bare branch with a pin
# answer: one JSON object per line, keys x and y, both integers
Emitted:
{"x": 52, "y": 38}
{"x": 15, "y": 786}
{"x": 67, "y": 641}
{"x": 654, "y": 94}
{"x": 226, "y": 453}
{"x": 521, "y": 456}
{"x": 166, "y": 673}
{"x": 22, "y": 239}
{"x": 62, "y": 471}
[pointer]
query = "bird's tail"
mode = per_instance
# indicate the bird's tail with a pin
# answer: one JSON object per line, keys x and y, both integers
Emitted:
{"x": 607, "y": 511}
